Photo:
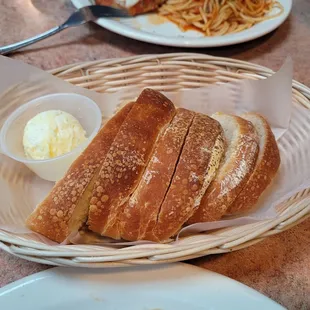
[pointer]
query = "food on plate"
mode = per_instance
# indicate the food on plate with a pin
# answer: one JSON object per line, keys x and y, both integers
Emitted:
{"x": 65, "y": 209}
{"x": 211, "y": 17}
{"x": 52, "y": 133}
{"x": 154, "y": 168}
{"x": 134, "y": 7}
{"x": 126, "y": 160}
{"x": 235, "y": 170}
{"x": 265, "y": 169}
{"x": 219, "y": 17}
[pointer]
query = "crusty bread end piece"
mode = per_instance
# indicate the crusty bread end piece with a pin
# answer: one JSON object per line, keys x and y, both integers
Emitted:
{"x": 266, "y": 167}
{"x": 235, "y": 170}
{"x": 65, "y": 209}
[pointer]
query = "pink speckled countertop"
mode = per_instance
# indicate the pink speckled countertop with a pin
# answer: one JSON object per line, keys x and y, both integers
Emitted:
{"x": 279, "y": 267}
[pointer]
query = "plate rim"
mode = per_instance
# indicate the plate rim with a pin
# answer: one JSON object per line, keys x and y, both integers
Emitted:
{"x": 202, "y": 42}
{"x": 66, "y": 272}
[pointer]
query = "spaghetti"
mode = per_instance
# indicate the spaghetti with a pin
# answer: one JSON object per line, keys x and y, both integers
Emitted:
{"x": 219, "y": 17}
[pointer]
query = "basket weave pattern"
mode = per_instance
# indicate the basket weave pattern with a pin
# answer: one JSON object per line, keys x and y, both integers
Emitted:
{"x": 165, "y": 72}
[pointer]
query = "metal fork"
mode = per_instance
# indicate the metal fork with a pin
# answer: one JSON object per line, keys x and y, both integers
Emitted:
{"x": 80, "y": 17}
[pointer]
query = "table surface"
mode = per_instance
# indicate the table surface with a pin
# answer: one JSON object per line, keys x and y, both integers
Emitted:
{"x": 278, "y": 266}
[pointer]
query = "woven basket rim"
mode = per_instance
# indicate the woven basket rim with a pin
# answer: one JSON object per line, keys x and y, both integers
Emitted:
{"x": 99, "y": 75}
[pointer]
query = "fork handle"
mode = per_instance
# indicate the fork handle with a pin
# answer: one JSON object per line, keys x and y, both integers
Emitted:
{"x": 15, "y": 46}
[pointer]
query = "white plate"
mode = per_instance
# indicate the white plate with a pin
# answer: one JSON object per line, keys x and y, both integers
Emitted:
{"x": 153, "y": 29}
{"x": 164, "y": 287}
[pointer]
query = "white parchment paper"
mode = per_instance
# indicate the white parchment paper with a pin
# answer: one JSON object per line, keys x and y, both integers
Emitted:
{"x": 21, "y": 190}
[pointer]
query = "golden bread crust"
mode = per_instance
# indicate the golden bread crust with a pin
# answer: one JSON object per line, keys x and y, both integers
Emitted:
{"x": 141, "y": 211}
{"x": 204, "y": 139}
{"x": 126, "y": 161}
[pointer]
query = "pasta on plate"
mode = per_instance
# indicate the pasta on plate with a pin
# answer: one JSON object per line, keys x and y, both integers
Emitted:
{"x": 219, "y": 17}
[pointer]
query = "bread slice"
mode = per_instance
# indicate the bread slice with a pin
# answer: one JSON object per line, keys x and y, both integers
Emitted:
{"x": 266, "y": 167}
{"x": 140, "y": 213}
{"x": 126, "y": 161}
{"x": 65, "y": 209}
{"x": 197, "y": 166}
{"x": 235, "y": 169}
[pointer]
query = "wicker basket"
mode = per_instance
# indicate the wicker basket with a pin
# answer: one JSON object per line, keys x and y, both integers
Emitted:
{"x": 165, "y": 72}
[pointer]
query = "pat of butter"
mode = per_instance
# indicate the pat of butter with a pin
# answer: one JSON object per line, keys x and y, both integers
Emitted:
{"x": 52, "y": 133}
